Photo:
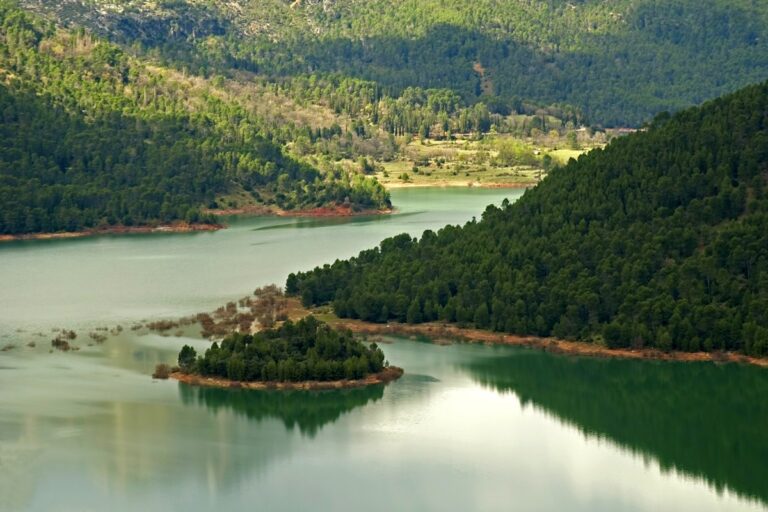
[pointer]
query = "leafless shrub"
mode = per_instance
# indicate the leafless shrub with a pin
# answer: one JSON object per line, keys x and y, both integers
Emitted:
{"x": 60, "y": 344}
{"x": 162, "y": 325}
{"x": 97, "y": 337}
{"x": 162, "y": 371}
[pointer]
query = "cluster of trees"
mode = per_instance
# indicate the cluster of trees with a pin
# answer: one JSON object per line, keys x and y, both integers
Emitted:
{"x": 296, "y": 351}
{"x": 618, "y": 61}
{"x": 420, "y": 111}
{"x": 92, "y": 137}
{"x": 660, "y": 239}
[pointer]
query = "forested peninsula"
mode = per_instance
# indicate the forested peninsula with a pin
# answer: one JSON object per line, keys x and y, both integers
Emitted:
{"x": 659, "y": 240}
{"x": 93, "y": 139}
{"x": 306, "y": 354}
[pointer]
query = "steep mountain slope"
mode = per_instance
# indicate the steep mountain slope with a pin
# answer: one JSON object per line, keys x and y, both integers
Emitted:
{"x": 94, "y": 137}
{"x": 618, "y": 61}
{"x": 660, "y": 239}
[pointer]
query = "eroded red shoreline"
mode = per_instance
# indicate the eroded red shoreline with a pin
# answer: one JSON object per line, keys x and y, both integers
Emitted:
{"x": 388, "y": 374}
{"x": 321, "y": 211}
{"x": 177, "y": 227}
{"x": 184, "y": 227}
{"x": 445, "y": 333}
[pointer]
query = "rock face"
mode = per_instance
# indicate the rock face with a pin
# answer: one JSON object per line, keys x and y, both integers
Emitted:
{"x": 136, "y": 21}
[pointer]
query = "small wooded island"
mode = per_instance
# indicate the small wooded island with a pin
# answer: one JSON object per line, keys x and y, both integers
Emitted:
{"x": 306, "y": 354}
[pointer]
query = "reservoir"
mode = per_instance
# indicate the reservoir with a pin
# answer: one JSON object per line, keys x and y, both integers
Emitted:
{"x": 468, "y": 427}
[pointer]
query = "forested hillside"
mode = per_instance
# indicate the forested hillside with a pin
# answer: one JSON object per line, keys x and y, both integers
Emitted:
{"x": 92, "y": 137}
{"x": 617, "y": 62}
{"x": 660, "y": 239}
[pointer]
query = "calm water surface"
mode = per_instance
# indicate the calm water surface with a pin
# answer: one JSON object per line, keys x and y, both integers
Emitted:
{"x": 467, "y": 428}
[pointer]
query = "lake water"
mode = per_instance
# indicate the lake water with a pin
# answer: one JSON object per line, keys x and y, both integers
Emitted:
{"x": 468, "y": 427}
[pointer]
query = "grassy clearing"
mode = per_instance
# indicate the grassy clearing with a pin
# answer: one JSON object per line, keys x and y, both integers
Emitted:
{"x": 561, "y": 156}
{"x": 490, "y": 161}
{"x": 493, "y": 161}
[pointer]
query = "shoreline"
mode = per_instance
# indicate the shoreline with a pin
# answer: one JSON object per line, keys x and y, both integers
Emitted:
{"x": 388, "y": 374}
{"x": 439, "y": 333}
{"x": 184, "y": 227}
{"x": 457, "y": 184}
{"x": 180, "y": 227}
{"x": 320, "y": 211}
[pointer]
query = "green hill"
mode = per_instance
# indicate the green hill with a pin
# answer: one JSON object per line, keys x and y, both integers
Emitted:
{"x": 90, "y": 136}
{"x": 660, "y": 239}
{"x": 618, "y": 61}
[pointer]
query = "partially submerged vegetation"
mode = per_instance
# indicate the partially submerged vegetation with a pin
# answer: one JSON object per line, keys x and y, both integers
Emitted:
{"x": 263, "y": 309}
{"x": 63, "y": 340}
{"x": 162, "y": 372}
{"x": 295, "y": 352}
{"x": 263, "y": 341}
{"x": 98, "y": 337}
{"x": 266, "y": 308}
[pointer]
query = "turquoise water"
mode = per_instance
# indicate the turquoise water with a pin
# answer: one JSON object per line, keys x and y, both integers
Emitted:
{"x": 469, "y": 427}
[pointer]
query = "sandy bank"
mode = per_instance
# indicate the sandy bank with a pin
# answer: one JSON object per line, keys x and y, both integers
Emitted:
{"x": 322, "y": 211}
{"x": 444, "y": 333}
{"x": 386, "y": 375}
{"x": 457, "y": 184}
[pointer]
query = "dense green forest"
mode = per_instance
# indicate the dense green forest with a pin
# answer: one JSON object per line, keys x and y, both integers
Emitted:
{"x": 296, "y": 351}
{"x": 617, "y": 62}
{"x": 185, "y": 36}
{"x": 91, "y": 137}
{"x": 660, "y": 239}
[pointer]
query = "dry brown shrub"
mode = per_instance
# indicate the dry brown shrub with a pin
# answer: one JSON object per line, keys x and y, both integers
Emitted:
{"x": 60, "y": 344}
{"x": 162, "y": 371}
{"x": 162, "y": 325}
{"x": 97, "y": 337}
